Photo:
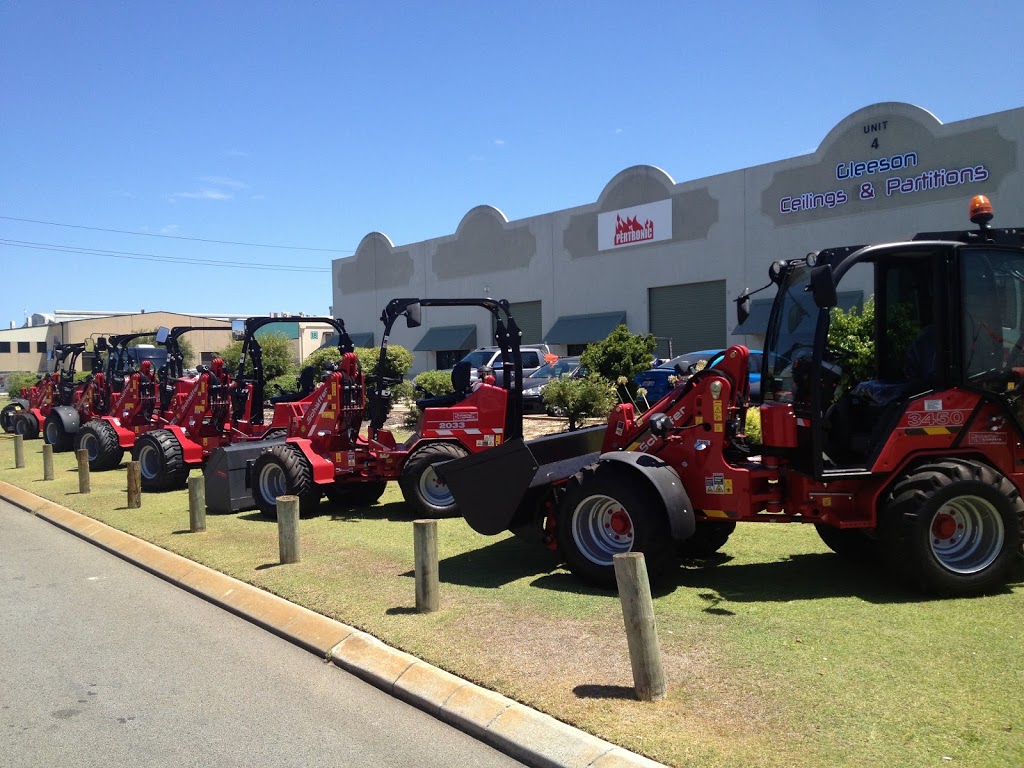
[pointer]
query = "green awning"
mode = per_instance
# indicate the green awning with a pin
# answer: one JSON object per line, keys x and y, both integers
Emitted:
{"x": 448, "y": 337}
{"x": 581, "y": 329}
{"x": 760, "y": 310}
{"x": 362, "y": 339}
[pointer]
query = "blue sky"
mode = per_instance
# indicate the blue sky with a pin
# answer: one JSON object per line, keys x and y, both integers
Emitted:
{"x": 309, "y": 125}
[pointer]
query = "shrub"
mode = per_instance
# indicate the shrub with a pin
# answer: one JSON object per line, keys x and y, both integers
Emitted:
{"x": 435, "y": 382}
{"x": 18, "y": 379}
{"x": 622, "y": 355}
{"x": 277, "y": 358}
{"x": 576, "y": 399}
{"x": 753, "y": 426}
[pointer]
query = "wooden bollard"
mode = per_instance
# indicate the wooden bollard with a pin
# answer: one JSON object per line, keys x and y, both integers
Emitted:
{"x": 19, "y": 451}
{"x": 83, "y": 470}
{"x": 197, "y": 504}
{"x": 47, "y": 461}
{"x": 288, "y": 528}
{"x": 424, "y": 533}
{"x": 641, "y": 631}
{"x": 134, "y": 485}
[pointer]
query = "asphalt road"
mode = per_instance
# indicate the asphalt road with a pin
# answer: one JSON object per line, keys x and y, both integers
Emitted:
{"x": 103, "y": 664}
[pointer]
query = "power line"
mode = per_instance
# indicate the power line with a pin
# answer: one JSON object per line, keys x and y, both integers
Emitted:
{"x": 154, "y": 257}
{"x": 176, "y": 237}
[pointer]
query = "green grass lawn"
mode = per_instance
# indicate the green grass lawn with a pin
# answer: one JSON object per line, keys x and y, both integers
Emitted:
{"x": 777, "y": 652}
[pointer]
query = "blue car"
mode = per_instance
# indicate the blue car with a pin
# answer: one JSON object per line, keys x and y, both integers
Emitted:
{"x": 656, "y": 380}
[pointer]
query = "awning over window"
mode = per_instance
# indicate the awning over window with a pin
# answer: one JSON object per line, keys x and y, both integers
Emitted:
{"x": 362, "y": 339}
{"x": 581, "y": 329}
{"x": 448, "y": 337}
{"x": 761, "y": 309}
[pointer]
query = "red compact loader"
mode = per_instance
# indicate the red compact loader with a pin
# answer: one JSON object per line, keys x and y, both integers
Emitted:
{"x": 917, "y": 456}
{"x": 26, "y": 415}
{"x": 101, "y": 388}
{"x": 328, "y": 450}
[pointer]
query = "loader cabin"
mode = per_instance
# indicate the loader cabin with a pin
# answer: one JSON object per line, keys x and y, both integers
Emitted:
{"x": 948, "y": 313}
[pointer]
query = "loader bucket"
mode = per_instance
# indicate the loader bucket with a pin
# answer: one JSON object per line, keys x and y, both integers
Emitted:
{"x": 488, "y": 486}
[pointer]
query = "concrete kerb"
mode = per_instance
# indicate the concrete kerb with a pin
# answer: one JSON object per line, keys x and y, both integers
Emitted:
{"x": 523, "y": 733}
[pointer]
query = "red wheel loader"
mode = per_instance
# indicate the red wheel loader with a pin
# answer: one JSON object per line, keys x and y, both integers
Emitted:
{"x": 913, "y": 451}
{"x": 28, "y": 413}
{"x": 328, "y": 451}
{"x": 151, "y": 396}
{"x": 101, "y": 388}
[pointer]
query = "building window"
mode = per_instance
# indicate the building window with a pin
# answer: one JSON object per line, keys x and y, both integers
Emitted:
{"x": 24, "y": 346}
{"x": 41, "y": 346}
{"x": 575, "y": 349}
{"x": 5, "y": 346}
{"x": 447, "y": 358}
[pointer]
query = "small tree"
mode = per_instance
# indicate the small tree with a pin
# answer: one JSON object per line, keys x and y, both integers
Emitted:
{"x": 622, "y": 355}
{"x": 18, "y": 379}
{"x": 278, "y": 368}
{"x": 853, "y": 331}
{"x": 576, "y": 399}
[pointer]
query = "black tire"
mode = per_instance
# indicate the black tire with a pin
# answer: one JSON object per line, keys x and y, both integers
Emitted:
{"x": 27, "y": 425}
{"x": 422, "y": 487}
{"x": 161, "y": 462}
{"x": 953, "y": 528}
{"x": 99, "y": 439}
{"x": 355, "y": 494}
{"x": 275, "y": 434}
{"x": 7, "y": 414}
{"x": 283, "y": 470}
{"x": 709, "y": 537}
{"x": 849, "y": 543}
{"x": 606, "y": 511}
{"x": 54, "y": 433}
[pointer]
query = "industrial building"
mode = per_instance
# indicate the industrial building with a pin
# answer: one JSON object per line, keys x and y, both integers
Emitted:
{"x": 669, "y": 258}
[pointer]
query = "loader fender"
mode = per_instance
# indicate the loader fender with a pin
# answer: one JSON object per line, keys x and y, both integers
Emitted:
{"x": 191, "y": 451}
{"x": 665, "y": 481}
{"x": 69, "y": 418}
{"x": 323, "y": 470}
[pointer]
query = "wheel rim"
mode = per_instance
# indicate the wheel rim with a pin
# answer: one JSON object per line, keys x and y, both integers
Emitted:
{"x": 21, "y": 427}
{"x": 434, "y": 489}
{"x": 966, "y": 534}
{"x": 601, "y": 528}
{"x": 53, "y": 433}
{"x": 272, "y": 483}
{"x": 149, "y": 461}
{"x": 90, "y": 444}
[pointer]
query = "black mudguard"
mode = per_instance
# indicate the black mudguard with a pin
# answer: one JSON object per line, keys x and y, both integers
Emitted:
{"x": 69, "y": 418}
{"x": 665, "y": 481}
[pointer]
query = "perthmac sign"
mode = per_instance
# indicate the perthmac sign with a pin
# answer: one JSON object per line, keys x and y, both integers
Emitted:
{"x": 639, "y": 225}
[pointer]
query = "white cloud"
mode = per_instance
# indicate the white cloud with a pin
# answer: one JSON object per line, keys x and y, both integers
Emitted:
{"x": 236, "y": 153}
{"x": 618, "y": 131}
{"x": 169, "y": 229}
{"x": 499, "y": 142}
{"x": 202, "y": 194}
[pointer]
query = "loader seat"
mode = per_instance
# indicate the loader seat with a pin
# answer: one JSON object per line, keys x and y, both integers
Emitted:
{"x": 306, "y": 384}
{"x": 460, "y": 383}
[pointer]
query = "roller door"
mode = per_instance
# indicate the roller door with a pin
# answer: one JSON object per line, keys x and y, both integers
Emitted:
{"x": 693, "y": 316}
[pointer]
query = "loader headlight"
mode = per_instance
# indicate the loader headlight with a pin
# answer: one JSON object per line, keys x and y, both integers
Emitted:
{"x": 812, "y": 259}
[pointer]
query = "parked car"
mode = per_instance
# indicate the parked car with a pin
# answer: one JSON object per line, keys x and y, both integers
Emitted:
{"x": 533, "y": 385}
{"x": 533, "y": 358}
{"x": 656, "y": 380}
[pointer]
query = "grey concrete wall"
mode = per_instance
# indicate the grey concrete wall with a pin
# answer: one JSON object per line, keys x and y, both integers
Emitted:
{"x": 883, "y": 173}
